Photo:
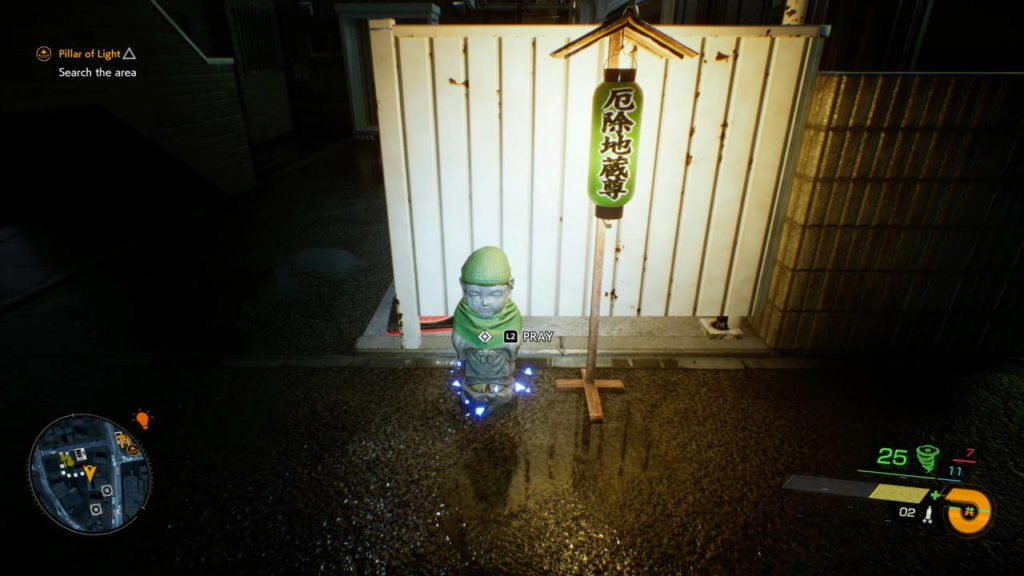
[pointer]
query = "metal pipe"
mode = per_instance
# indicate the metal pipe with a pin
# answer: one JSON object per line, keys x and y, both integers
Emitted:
{"x": 795, "y": 12}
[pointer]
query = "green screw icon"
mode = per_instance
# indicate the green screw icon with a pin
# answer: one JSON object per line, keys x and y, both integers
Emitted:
{"x": 926, "y": 456}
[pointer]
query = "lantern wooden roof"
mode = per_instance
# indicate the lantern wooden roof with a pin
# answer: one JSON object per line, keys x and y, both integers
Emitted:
{"x": 632, "y": 28}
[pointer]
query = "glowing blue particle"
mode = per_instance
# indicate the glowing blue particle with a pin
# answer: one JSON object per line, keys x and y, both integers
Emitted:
{"x": 466, "y": 401}
{"x": 529, "y": 390}
{"x": 519, "y": 387}
{"x": 456, "y": 384}
{"x": 528, "y": 371}
{"x": 479, "y": 410}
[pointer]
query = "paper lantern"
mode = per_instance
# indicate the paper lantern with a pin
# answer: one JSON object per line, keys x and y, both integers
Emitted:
{"x": 614, "y": 141}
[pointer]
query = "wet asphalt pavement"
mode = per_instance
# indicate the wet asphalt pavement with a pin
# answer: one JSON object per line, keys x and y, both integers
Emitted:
{"x": 292, "y": 470}
{"x": 377, "y": 471}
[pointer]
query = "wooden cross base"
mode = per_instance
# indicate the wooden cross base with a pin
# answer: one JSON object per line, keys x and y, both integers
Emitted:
{"x": 590, "y": 391}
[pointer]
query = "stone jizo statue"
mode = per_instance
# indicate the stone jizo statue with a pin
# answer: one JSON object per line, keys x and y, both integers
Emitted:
{"x": 482, "y": 321}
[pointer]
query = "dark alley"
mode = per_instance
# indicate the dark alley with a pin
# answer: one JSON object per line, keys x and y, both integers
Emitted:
{"x": 318, "y": 287}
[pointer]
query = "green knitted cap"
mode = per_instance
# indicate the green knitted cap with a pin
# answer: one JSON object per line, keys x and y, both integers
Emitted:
{"x": 488, "y": 266}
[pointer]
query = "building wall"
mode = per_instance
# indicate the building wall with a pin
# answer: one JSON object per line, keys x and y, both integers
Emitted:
{"x": 189, "y": 108}
{"x": 192, "y": 17}
{"x": 261, "y": 73}
{"x": 905, "y": 225}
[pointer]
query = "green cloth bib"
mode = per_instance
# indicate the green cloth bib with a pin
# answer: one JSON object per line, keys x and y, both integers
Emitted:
{"x": 469, "y": 326}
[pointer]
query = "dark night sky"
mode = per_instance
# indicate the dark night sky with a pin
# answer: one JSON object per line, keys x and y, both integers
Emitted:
{"x": 974, "y": 37}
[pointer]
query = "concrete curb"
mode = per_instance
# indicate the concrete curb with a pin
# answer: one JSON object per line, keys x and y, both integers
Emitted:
{"x": 445, "y": 362}
{"x": 573, "y": 362}
{"x": 639, "y": 362}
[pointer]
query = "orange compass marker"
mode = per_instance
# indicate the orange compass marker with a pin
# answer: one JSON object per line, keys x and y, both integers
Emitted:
{"x": 974, "y": 515}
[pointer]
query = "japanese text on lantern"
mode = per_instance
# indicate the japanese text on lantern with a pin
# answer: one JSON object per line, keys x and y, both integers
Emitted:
{"x": 617, "y": 125}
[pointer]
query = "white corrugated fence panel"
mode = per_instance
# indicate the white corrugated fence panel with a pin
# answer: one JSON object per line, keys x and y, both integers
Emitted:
{"x": 453, "y": 154}
{"x": 630, "y": 250}
{"x": 667, "y": 191}
{"x": 709, "y": 115}
{"x": 577, "y": 211}
{"x": 416, "y": 76}
{"x": 489, "y": 147}
{"x": 548, "y": 149}
{"x": 777, "y": 111}
{"x": 737, "y": 135}
{"x": 392, "y": 137}
{"x": 516, "y": 105}
{"x": 484, "y": 140}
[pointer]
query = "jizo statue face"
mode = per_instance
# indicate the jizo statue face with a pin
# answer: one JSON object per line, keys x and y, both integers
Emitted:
{"x": 486, "y": 301}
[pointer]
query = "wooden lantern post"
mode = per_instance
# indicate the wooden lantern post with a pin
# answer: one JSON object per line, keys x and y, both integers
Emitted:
{"x": 617, "y": 191}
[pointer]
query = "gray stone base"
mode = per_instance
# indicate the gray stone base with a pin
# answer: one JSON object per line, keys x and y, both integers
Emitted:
{"x": 716, "y": 334}
{"x": 619, "y": 336}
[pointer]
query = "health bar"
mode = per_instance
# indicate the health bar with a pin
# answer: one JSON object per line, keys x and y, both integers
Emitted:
{"x": 870, "y": 490}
